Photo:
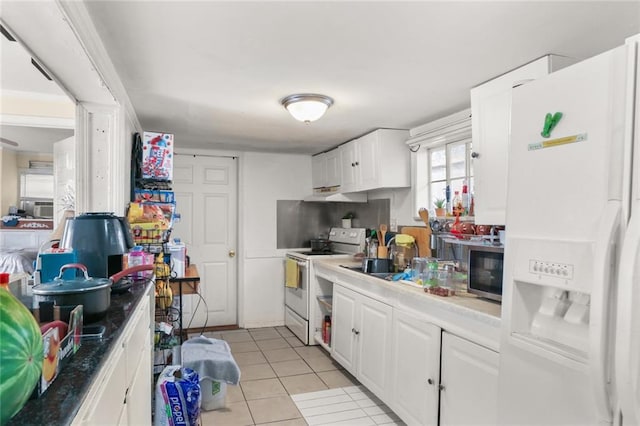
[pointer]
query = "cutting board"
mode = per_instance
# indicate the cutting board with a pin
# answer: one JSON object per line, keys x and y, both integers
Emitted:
{"x": 422, "y": 236}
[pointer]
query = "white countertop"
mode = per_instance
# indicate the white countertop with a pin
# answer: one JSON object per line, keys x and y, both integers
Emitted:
{"x": 464, "y": 314}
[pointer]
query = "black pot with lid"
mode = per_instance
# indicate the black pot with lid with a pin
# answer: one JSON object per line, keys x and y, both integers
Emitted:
{"x": 99, "y": 240}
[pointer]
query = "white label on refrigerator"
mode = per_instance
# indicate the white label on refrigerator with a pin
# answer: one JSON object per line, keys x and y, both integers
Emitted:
{"x": 557, "y": 142}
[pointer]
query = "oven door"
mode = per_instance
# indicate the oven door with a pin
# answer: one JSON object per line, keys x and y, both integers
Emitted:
{"x": 297, "y": 299}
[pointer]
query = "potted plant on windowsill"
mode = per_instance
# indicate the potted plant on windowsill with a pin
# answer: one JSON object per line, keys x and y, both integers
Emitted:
{"x": 440, "y": 210}
{"x": 346, "y": 219}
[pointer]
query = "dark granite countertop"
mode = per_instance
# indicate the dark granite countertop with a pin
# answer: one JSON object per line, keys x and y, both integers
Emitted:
{"x": 61, "y": 402}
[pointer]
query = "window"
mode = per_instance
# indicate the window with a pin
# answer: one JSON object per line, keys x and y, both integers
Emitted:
{"x": 36, "y": 185}
{"x": 448, "y": 165}
{"x": 441, "y": 157}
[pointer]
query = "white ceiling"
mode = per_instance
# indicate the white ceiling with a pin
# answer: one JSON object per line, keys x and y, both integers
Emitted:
{"x": 19, "y": 78}
{"x": 213, "y": 72}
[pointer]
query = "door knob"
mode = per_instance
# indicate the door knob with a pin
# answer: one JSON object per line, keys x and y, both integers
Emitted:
{"x": 430, "y": 381}
{"x": 232, "y": 253}
{"x": 475, "y": 155}
{"x": 441, "y": 387}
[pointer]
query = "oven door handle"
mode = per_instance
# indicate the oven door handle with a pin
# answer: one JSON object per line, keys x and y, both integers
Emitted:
{"x": 301, "y": 266}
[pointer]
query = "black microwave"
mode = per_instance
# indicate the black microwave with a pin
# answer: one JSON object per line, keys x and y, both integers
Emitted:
{"x": 484, "y": 272}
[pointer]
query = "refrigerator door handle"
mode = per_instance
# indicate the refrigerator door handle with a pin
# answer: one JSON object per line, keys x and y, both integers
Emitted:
{"x": 628, "y": 322}
{"x": 599, "y": 349}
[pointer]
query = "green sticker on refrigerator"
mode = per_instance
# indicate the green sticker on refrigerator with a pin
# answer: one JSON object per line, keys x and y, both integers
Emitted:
{"x": 557, "y": 142}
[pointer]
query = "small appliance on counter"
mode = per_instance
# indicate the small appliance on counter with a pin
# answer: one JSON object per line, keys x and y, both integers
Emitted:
{"x": 99, "y": 240}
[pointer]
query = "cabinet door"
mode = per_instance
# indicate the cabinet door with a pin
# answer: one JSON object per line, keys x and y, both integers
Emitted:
{"x": 490, "y": 120}
{"x": 139, "y": 394}
{"x": 319, "y": 171}
{"x": 367, "y": 161}
{"x": 416, "y": 369}
{"x": 348, "y": 154}
{"x": 470, "y": 383}
{"x": 334, "y": 168}
{"x": 373, "y": 335}
{"x": 107, "y": 405}
{"x": 343, "y": 338}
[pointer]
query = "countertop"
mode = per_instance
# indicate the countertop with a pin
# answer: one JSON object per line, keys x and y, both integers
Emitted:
{"x": 60, "y": 403}
{"x": 464, "y": 314}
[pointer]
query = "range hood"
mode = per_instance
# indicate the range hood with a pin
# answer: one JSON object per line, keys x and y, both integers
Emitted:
{"x": 332, "y": 195}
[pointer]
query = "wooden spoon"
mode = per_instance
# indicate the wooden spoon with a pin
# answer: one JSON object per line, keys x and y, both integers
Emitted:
{"x": 383, "y": 231}
{"x": 424, "y": 215}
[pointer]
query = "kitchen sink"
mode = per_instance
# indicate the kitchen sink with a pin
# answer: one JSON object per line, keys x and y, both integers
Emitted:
{"x": 382, "y": 275}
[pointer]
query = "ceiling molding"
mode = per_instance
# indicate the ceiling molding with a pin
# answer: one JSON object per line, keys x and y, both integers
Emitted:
{"x": 33, "y": 121}
{"x": 82, "y": 25}
{"x": 50, "y": 97}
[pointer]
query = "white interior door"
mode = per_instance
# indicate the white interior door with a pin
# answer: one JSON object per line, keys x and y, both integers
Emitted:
{"x": 206, "y": 191}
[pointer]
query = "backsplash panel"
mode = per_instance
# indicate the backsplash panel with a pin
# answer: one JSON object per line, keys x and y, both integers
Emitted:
{"x": 299, "y": 221}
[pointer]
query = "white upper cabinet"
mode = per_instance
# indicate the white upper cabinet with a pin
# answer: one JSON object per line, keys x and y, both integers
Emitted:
{"x": 326, "y": 169}
{"x": 319, "y": 170}
{"x": 490, "y": 120}
{"x": 334, "y": 168}
{"x": 380, "y": 159}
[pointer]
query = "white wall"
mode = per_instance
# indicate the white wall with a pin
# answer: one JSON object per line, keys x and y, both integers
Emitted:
{"x": 401, "y": 205}
{"x": 264, "y": 179}
{"x": 8, "y": 180}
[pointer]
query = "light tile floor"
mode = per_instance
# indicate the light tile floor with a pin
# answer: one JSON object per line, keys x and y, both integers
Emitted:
{"x": 282, "y": 383}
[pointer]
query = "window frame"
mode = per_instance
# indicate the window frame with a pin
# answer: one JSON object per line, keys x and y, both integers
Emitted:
{"x": 450, "y": 130}
{"x": 468, "y": 176}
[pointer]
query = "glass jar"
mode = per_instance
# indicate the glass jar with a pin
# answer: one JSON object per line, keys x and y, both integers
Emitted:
{"x": 418, "y": 268}
{"x": 431, "y": 273}
{"x": 445, "y": 277}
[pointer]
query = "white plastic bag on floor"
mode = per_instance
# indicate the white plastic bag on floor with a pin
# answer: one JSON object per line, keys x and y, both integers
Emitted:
{"x": 177, "y": 397}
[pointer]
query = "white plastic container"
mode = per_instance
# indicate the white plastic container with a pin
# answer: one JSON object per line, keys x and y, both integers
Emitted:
{"x": 178, "y": 253}
{"x": 213, "y": 393}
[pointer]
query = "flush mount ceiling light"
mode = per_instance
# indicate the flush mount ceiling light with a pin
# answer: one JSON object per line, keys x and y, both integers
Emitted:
{"x": 307, "y": 107}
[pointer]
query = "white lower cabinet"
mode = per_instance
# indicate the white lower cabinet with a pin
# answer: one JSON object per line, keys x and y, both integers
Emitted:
{"x": 416, "y": 369}
{"x": 361, "y": 338}
{"x": 121, "y": 393}
{"x": 469, "y": 383}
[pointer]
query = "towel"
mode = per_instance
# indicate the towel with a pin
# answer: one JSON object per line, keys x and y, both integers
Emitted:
{"x": 211, "y": 359}
{"x": 292, "y": 276}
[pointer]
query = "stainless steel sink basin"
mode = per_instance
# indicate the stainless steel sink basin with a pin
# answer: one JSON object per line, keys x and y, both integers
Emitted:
{"x": 382, "y": 275}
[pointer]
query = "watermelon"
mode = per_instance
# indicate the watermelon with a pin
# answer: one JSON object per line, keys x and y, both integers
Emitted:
{"x": 21, "y": 355}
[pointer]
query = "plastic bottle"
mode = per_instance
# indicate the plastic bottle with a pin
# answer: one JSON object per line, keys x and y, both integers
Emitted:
{"x": 4, "y": 280}
{"x": 326, "y": 330}
{"x": 465, "y": 198}
{"x": 136, "y": 257}
{"x": 447, "y": 194}
{"x": 457, "y": 204}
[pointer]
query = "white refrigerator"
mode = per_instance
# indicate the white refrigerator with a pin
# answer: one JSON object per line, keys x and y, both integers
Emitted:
{"x": 570, "y": 340}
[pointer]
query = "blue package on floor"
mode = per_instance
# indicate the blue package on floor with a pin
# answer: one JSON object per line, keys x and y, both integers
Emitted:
{"x": 177, "y": 397}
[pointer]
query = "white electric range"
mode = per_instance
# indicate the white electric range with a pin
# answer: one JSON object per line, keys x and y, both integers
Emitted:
{"x": 304, "y": 312}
